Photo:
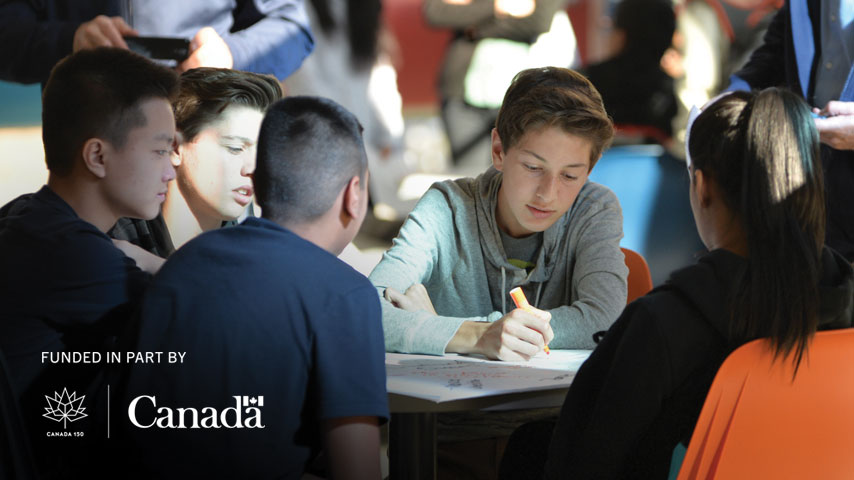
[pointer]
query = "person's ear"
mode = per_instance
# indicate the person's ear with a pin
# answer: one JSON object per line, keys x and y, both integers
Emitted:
{"x": 177, "y": 149}
{"x": 703, "y": 187}
{"x": 497, "y": 151}
{"x": 94, "y": 153}
{"x": 178, "y": 153}
{"x": 353, "y": 193}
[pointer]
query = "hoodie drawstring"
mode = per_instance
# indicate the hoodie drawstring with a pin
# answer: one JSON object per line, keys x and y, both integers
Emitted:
{"x": 503, "y": 292}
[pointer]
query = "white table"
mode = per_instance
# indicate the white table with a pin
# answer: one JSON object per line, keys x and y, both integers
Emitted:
{"x": 420, "y": 386}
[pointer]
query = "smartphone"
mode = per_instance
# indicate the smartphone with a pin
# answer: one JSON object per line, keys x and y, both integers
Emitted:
{"x": 160, "y": 48}
{"x": 815, "y": 115}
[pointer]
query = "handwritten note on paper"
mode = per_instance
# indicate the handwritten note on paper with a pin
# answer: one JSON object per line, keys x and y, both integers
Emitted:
{"x": 455, "y": 377}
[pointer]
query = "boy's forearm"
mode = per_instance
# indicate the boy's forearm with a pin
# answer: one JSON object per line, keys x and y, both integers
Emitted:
{"x": 465, "y": 340}
{"x": 419, "y": 332}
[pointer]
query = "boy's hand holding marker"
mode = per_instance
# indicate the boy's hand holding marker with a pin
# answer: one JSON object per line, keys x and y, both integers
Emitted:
{"x": 521, "y": 301}
{"x": 519, "y": 335}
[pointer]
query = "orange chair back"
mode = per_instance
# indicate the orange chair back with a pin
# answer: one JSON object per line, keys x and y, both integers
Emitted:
{"x": 640, "y": 280}
{"x": 757, "y": 422}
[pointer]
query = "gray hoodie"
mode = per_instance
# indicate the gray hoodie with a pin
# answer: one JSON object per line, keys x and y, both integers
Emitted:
{"x": 451, "y": 243}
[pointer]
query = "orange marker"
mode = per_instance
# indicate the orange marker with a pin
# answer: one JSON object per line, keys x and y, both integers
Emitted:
{"x": 522, "y": 302}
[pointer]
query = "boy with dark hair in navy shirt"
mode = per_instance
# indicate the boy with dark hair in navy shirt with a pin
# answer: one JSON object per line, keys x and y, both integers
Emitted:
{"x": 108, "y": 130}
{"x": 282, "y": 342}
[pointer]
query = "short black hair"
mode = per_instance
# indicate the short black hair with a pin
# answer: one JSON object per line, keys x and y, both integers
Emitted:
{"x": 204, "y": 93}
{"x": 308, "y": 149}
{"x": 97, "y": 94}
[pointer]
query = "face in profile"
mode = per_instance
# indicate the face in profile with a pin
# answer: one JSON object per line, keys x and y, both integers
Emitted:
{"x": 215, "y": 167}
{"x": 698, "y": 182}
{"x": 137, "y": 174}
{"x": 543, "y": 173}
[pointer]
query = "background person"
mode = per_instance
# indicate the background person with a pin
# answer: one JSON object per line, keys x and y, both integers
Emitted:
{"x": 260, "y": 36}
{"x": 808, "y": 48}
{"x": 643, "y": 32}
{"x": 467, "y": 126}
{"x": 351, "y": 64}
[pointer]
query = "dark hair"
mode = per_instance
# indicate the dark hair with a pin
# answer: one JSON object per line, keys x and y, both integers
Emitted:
{"x": 648, "y": 25}
{"x": 762, "y": 150}
{"x": 363, "y": 27}
{"x": 308, "y": 149}
{"x": 205, "y": 92}
{"x": 97, "y": 94}
{"x": 554, "y": 97}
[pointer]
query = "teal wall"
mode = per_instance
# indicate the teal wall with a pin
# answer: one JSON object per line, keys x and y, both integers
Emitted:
{"x": 20, "y": 105}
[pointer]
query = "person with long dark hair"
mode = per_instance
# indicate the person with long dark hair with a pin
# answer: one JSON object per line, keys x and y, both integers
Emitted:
{"x": 362, "y": 27}
{"x": 757, "y": 194}
{"x": 352, "y": 64}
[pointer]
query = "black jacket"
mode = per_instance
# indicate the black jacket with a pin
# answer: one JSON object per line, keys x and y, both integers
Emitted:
{"x": 152, "y": 235}
{"x": 642, "y": 389}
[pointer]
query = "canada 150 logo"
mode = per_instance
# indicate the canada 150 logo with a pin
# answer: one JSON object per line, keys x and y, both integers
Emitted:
{"x": 64, "y": 407}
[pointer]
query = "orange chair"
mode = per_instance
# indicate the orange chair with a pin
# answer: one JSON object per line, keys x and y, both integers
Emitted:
{"x": 640, "y": 280}
{"x": 758, "y": 422}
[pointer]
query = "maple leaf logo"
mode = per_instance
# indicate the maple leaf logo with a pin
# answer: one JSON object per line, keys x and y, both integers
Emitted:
{"x": 64, "y": 407}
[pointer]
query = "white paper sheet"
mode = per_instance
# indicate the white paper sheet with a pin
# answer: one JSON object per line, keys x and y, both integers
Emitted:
{"x": 456, "y": 377}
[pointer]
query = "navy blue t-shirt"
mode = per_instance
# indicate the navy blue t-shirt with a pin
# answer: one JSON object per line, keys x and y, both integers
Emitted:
{"x": 61, "y": 277}
{"x": 271, "y": 326}
{"x": 64, "y": 287}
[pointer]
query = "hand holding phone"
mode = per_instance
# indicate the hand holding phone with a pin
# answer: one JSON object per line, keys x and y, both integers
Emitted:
{"x": 835, "y": 124}
{"x": 207, "y": 49}
{"x": 160, "y": 48}
{"x": 101, "y": 31}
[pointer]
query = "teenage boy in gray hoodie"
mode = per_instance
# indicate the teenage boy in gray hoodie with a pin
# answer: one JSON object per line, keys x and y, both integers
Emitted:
{"x": 532, "y": 220}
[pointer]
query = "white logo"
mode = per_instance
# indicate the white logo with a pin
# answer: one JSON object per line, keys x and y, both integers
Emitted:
{"x": 246, "y": 413}
{"x": 64, "y": 407}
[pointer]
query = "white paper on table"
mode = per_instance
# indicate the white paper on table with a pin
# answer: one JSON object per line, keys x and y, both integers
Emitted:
{"x": 456, "y": 377}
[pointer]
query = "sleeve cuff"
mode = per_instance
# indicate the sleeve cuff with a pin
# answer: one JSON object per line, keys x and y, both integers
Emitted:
{"x": 737, "y": 83}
